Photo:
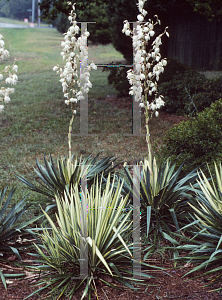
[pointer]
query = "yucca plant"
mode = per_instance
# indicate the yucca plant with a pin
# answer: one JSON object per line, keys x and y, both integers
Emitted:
{"x": 14, "y": 235}
{"x": 206, "y": 245}
{"x": 54, "y": 180}
{"x": 163, "y": 192}
{"x": 108, "y": 238}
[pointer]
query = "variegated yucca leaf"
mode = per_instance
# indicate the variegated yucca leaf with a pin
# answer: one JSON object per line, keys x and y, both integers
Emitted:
{"x": 205, "y": 243}
{"x": 13, "y": 230}
{"x": 97, "y": 221}
{"x": 163, "y": 190}
{"x": 53, "y": 180}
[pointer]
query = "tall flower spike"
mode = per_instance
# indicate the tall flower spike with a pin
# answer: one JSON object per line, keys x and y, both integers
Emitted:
{"x": 73, "y": 48}
{"x": 149, "y": 65}
{"x": 74, "y": 52}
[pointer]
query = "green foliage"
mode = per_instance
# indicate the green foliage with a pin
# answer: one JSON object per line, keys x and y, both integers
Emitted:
{"x": 13, "y": 231}
{"x": 173, "y": 68}
{"x": 197, "y": 140}
{"x": 208, "y": 8}
{"x": 52, "y": 8}
{"x": 117, "y": 77}
{"x": 163, "y": 191}
{"x": 207, "y": 203}
{"x": 117, "y": 12}
{"x": 205, "y": 246}
{"x": 104, "y": 229}
{"x": 16, "y": 9}
{"x": 62, "y": 23}
{"x": 9, "y": 228}
{"x": 56, "y": 180}
{"x": 99, "y": 32}
{"x": 189, "y": 92}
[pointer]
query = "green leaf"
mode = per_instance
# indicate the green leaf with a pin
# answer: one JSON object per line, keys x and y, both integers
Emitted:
{"x": 219, "y": 242}
{"x": 86, "y": 288}
{"x": 148, "y": 220}
{"x": 3, "y": 279}
{"x": 169, "y": 238}
{"x": 124, "y": 244}
{"x": 98, "y": 253}
{"x": 175, "y": 219}
{"x": 15, "y": 251}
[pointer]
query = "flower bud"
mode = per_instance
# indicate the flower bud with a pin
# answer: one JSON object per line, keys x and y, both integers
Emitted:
{"x": 55, "y": 68}
{"x": 2, "y": 43}
{"x": 140, "y": 18}
{"x": 15, "y": 68}
{"x": 7, "y": 99}
{"x": 1, "y": 108}
{"x": 127, "y": 33}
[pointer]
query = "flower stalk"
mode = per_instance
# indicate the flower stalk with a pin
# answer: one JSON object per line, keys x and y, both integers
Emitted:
{"x": 74, "y": 83}
{"x": 70, "y": 135}
{"x": 148, "y": 66}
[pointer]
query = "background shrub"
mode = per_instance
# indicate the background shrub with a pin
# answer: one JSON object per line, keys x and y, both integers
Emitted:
{"x": 172, "y": 68}
{"x": 99, "y": 32}
{"x": 189, "y": 92}
{"x": 61, "y": 23}
{"x": 197, "y": 140}
{"x": 117, "y": 77}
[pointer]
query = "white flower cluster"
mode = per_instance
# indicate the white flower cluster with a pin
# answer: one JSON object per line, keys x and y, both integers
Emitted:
{"x": 11, "y": 79}
{"x": 149, "y": 65}
{"x": 74, "y": 51}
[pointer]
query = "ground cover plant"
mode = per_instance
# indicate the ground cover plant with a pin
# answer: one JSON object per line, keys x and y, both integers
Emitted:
{"x": 165, "y": 192}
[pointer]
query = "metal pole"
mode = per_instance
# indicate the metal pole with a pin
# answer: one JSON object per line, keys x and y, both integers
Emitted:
{"x": 39, "y": 14}
{"x": 33, "y": 11}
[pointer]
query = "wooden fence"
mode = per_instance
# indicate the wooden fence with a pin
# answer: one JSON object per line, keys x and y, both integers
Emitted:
{"x": 196, "y": 41}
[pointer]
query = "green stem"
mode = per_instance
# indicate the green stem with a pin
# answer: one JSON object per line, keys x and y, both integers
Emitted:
{"x": 69, "y": 136}
{"x": 147, "y": 128}
{"x": 148, "y": 139}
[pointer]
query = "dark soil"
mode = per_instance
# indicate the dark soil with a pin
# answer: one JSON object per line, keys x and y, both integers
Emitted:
{"x": 125, "y": 103}
{"x": 167, "y": 284}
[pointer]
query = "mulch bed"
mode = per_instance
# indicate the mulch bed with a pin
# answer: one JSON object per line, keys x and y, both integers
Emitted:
{"x": 125, "y": 103}
{"x": 168, "y": 284}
